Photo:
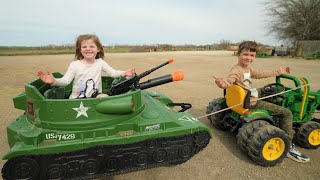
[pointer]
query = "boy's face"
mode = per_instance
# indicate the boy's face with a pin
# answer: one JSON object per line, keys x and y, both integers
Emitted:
{"x": 89, "y": 49}
{"x": 245, "y": 58}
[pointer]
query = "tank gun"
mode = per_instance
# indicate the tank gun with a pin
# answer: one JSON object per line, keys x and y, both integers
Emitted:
{"x": 133, "y": 82}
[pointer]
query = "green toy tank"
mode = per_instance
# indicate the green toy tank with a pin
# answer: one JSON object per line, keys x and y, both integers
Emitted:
{"x": 132, "y": 129}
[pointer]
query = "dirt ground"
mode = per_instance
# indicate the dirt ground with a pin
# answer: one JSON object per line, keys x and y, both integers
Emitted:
{"x": 222, "y": 158}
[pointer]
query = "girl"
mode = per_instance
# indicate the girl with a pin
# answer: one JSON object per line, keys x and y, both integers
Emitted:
{"x": 85, "y": 71}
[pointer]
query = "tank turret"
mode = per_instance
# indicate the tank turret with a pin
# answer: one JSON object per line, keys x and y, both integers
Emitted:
{"x": 132, "y": 129}
{"x": 133, "y": 82}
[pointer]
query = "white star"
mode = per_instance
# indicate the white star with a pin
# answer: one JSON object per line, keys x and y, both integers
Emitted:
{"x": 81, "y": 110}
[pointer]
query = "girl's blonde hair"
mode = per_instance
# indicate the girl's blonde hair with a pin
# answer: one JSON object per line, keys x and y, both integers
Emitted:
{"x": 78, "y": 55}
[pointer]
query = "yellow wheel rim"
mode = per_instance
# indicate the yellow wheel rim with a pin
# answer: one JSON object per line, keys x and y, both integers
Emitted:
{"x": 273, "y": 149}
{"x": 314, "y": 137}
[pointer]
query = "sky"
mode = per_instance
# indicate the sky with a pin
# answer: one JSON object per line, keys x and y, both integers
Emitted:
{"x": 132, "y": 22}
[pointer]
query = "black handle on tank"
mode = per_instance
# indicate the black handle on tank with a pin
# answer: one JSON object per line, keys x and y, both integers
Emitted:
{"x": 126, "y": 85}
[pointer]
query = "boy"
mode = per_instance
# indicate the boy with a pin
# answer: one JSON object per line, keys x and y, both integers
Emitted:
{"x": 241, "y": 75}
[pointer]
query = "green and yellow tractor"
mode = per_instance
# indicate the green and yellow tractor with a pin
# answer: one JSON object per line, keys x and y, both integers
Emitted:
{"x": 258, "y": 132}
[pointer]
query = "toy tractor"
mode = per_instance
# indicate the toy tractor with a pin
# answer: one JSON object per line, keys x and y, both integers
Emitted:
{"x": 258, "y": 133}
{"x": 131, "y": 129}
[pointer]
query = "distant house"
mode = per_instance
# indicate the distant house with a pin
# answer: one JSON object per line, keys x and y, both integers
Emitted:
{"x": 266, "y": 49}
{"x": 232, "y": 48}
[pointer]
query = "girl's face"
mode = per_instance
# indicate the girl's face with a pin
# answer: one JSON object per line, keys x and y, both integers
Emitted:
{"x": 89, "y": 49}
{"x": 246, "y": 57}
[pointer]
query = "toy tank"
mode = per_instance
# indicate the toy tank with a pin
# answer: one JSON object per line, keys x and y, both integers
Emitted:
{"x": 132, "y": 129}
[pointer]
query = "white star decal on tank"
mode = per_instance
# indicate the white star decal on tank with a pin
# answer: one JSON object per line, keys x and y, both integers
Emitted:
{"x": 81, "y": 110}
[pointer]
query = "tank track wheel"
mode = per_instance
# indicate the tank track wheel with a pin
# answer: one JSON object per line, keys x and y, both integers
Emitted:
{"x": 21, "y": 168}
{"x": 268, "y": 146}
{"x": 246, "y": 131}
{"x": 56, "y": 171}
{"x": 308, "y": 135}
{"x": 107, "y": 160}
{"x": 201, "y": 140}
{"x": 216, "y": 119}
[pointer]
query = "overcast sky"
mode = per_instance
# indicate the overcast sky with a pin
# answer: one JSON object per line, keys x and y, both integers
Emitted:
{"x": 199, "y": 22}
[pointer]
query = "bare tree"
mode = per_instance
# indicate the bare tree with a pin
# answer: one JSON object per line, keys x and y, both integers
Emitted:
{"x": 294, "y": 20}
{"x": 224, "y": 43}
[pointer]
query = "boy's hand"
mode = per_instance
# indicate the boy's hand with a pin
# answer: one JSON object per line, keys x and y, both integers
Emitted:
{"x": 130, "y": 72}
{"x": 284, "y": 70}
{"x": 220, "y": 82}
{"x": 46, "y": 77}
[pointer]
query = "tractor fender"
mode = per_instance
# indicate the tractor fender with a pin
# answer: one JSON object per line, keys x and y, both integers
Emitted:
{"x": 255, "y": 118}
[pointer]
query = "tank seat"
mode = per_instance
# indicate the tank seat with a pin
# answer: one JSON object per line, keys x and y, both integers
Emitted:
{"x": 55, "y": 93}
{"x": 236, "y": 95}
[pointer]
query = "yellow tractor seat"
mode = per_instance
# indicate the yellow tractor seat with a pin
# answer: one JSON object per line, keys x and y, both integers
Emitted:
{"x": 236, "y": 95}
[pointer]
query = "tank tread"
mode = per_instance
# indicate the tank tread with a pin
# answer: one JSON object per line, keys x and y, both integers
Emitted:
{"x": 107, "y": 160}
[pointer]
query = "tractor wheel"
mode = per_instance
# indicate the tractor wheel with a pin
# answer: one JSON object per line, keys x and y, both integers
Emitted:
{"x": 268, "y": 146}
{"x": 308, "y": 135}
{"x": 316, "y": 120}
{"x": 216, "y": 119}
{"x": 245, "y": 132}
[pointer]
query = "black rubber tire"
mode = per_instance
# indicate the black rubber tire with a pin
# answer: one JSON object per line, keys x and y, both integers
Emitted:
{"x": 304, "y": 132}
{"x": 216, "y": 119}
{"x": 245, "y": 132}
{"x": 316, "y": 120}
{"x": 259, "y": 139}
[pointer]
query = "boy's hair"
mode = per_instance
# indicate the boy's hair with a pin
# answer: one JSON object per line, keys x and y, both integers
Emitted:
{"x": 251, "y": 46}
{"x": 78, "y": 55}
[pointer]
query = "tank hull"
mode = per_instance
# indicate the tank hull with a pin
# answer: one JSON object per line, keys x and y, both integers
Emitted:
{"x": 85, "y": 138}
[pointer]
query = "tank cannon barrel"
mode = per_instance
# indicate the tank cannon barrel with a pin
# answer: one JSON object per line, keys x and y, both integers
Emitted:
{"x": 133, "y": 82}
{"x": 175, "y": 76}
{"x": 153, "y": 69}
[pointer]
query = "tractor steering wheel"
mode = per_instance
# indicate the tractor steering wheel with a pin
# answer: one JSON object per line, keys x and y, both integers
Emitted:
{"x": 273, "y": 88}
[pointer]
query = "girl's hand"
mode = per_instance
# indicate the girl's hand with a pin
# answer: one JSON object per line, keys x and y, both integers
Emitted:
{"x": 284, "y": 70}
{"x": 46, "y": 77}
{"x": 130, "y": 72}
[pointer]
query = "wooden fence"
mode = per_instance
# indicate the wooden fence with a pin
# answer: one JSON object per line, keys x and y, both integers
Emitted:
{"x": 307, "y": 47}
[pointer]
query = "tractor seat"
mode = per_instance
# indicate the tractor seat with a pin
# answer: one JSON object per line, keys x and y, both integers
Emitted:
{"x": 55, "y": 93}
{"x": 236, "y": 95}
